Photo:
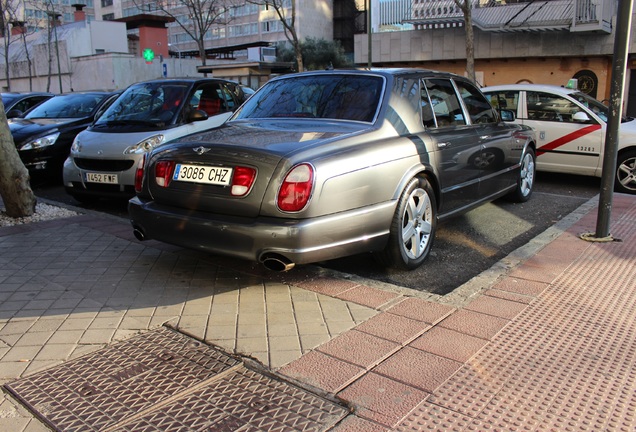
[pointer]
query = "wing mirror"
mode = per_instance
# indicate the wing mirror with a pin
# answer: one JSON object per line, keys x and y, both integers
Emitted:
{"x": 581, "y": 117}
{"x": 197, "y": 115}
{"x": 507, "y": 115}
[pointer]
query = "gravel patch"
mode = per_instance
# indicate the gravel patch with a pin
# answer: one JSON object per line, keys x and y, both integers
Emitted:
{"x": 43, "y": 212}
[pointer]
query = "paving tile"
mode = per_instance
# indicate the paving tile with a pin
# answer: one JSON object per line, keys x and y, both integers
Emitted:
{"x": 327, "y": 285}
{"x": 367, "y": 296}
{"x": 507, "y": 295}
{"x": 381, "y": 399}
{"x": 421, "y": 310}
{"x": 496, "y": 306}
{"x": 392, "y": 327}
{"x": 418, "y": 368}
{"x": 357, "y": 424}
{"x": 322, "y": 371}
{"x": 474, "y": 324}
{"x": 521, "y": 286}
{"x": 359, "y": 348}
{"x": 449, "y": 344}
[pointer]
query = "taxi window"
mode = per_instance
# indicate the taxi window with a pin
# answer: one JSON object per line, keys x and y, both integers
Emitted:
{"x": 504, "y": 99}
{"x": 445, "y": 103}
{"x": 478, "y": 107}
{"x": 550, "y": 107}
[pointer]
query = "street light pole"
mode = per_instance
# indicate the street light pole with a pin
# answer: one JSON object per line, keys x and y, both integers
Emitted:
{"x": 179, "y": 57}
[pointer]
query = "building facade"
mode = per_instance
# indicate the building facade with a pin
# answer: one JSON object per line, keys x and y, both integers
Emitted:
{"x": 547, "y": 42}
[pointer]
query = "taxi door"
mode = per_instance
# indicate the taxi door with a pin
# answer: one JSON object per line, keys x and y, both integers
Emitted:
{"x": 563, "y": 143}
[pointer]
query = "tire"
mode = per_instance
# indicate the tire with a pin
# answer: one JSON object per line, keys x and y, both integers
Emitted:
{"x": 525, "y": 182}
{"x": 625, "y": 181}
{"x": 412, "y": 228}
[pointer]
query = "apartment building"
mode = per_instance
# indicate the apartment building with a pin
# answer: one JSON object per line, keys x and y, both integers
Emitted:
{"x": 543, "y": 42}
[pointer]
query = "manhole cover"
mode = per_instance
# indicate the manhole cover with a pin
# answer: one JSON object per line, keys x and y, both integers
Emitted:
{"x": 164, "y": 380}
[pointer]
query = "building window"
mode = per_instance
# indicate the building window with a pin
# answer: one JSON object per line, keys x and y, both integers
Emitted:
{"x": 106, "y": 3}
{"x": 108, "y": 17}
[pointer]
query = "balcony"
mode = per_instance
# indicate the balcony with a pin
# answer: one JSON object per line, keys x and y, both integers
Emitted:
{"x": 532, "y": 16}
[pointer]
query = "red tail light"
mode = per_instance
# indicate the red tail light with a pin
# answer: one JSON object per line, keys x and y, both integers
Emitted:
{"x": 296, "y": 190}
{"x": 139, "y": 174}
{"x": 163, "y": 173}
{"x": 242, "y": 180}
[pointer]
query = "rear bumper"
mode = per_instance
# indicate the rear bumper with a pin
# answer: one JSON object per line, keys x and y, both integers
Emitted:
{"x": 299, "y": 241}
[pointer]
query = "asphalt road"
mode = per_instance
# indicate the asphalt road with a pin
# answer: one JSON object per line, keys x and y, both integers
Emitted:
{"x": 464, "y": 246}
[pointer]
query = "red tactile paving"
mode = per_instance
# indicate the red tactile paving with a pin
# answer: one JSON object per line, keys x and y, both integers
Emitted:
{"x": 359, "y": 348}
{"x": 381, "y": 399}
{"x": 418, "y": 369}
{"x": 565, "y": 363}
{"x": 322, "y": 371}
{"x": 421, "y": 310}
{"x": 395, "y": 328}
{"x": 448, "y": 343}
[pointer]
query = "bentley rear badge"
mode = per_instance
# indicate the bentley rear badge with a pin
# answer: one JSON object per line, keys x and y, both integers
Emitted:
{"x": 201, "y": 150}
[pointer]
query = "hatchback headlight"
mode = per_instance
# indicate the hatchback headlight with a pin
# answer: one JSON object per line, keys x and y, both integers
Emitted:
{"x": 44, "y": 141}
{"x": 145, "y": 145}
{"x": 76, "y": 146}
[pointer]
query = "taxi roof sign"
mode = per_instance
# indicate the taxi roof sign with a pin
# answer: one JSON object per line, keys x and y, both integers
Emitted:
{"x": 573, "y": 84}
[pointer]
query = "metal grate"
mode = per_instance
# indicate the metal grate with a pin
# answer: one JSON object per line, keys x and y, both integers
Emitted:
{"x": 162, "y": 379}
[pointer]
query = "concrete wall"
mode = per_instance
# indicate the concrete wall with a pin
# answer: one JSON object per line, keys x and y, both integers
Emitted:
{"x": 110, "y": 71}
{"x": 315, "y": 19}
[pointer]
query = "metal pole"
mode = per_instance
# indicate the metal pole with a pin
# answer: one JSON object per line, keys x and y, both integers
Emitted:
{"x": 370, "y": 60}
{"x": 610, "y": 154}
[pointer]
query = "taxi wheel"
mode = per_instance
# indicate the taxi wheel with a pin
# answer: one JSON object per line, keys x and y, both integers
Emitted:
{"x": 626, "y": 173}
{"x": 413, "y": 227}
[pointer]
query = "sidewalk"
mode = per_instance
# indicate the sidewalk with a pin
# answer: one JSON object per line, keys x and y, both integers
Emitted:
{"x": 541, "y": 341}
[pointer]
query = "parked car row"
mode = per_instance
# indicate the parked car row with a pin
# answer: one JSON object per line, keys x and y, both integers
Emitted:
{"x": 45, "y": 132}
{"x": 318, "y": 165}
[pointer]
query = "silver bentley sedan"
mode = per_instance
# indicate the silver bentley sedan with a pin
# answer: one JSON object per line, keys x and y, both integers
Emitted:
{"x": 320, "y": 165}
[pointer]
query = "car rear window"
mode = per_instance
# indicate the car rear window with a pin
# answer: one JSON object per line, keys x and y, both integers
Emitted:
{"x": 343, "y": 97}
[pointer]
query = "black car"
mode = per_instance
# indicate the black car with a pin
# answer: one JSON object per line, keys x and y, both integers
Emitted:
{"x": 44, "y": 135}
{"x": 16, "y": 104}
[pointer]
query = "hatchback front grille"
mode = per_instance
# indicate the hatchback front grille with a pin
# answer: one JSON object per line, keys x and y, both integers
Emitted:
{"x": 103, "y": 164}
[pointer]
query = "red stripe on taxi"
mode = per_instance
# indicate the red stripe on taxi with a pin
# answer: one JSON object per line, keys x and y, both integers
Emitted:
{"x": 567, "y": 138}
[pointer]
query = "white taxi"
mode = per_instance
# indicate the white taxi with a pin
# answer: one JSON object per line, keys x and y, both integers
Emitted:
{"x": 570, "y": 130}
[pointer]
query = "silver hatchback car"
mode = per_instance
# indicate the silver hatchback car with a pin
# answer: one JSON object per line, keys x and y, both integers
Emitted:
{"x": 104, "y": 157}
{"x": 319, "y": 165}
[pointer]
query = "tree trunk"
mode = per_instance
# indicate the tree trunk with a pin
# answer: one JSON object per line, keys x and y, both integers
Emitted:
{"x": 470, "y": 45}
{"x": 15, "y": 189}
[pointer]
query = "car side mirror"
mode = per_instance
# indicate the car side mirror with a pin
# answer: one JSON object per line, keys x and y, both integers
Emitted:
{"x": 197, "y": 115}
{"x": 507, "y": 115}
{"x": 14, "y": 113}
{"x": 581, "y": 117}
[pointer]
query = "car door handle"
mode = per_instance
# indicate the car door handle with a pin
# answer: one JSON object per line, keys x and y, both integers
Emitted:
{"x": 443, "y": 144}
{"x": 485, "y": 137}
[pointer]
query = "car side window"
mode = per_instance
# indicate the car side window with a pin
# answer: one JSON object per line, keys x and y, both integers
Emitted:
{"x": 478, "y": 107}
{"x": 445, "y": 103}
{"x": 212, "y": 99}
{"x": 549, "y": 107}
{"x": 504, "y": 100}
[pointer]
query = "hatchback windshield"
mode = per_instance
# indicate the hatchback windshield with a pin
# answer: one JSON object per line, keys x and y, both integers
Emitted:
{"x": 146, "y": 103}
{"x": 343, "y": 97}
{"x": 74, "y": 105}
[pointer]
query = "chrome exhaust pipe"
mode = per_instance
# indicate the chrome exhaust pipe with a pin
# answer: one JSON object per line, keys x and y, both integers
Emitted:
{"x": 139, "y": 234}
{"x": 277, "y": 263}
